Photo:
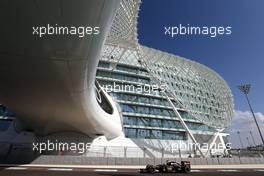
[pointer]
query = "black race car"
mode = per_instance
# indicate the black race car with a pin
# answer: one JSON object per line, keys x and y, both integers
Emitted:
{"x": 168, "y": 167}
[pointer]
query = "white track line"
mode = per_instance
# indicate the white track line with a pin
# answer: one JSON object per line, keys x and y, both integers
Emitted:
{"x": 259, "y": 170}
{"x": 60, "y": 169}
{"x": 105, "y": 170}
{"x": 228, "y": 170}
{"x": 195, "y": 170}
{"x": 16, "y": 168}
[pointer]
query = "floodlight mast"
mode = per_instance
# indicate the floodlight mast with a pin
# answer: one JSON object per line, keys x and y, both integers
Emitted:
{"x": 245, "y": 88}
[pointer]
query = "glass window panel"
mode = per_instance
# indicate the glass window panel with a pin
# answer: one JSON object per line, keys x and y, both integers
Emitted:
{"x": 156, "y": 134}
{"x": 156, "y": 122}
{"x": 143, "y": 122}
{"x": 130, "y": 132}
{"x": 143, "y": 133}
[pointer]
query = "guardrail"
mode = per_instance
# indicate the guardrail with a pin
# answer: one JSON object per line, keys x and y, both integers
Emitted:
{"x": 80, "y": 160}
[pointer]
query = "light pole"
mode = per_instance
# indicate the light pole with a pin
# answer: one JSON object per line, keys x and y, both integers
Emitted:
{"x": 245, "y": 89}
{"x": 252, "y": 138}
{"x": 241, "y": 143}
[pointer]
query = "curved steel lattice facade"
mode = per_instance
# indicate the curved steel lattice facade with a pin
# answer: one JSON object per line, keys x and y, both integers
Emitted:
{"x": 124, "y": 27}
{"x": 203, "y": 97}
{"x": 207, "y": 99}
{"x": 202, "y": 91}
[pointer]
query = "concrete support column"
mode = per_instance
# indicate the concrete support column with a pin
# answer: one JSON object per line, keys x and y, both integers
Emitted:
{"x": 125, "y": 152}
{"x": 105, "y": 148}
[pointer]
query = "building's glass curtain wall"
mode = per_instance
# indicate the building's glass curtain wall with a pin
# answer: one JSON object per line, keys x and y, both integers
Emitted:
{"x": 203, "y": 98}
{"x": 204, "y": 94}
{"x": 146, "y": 113}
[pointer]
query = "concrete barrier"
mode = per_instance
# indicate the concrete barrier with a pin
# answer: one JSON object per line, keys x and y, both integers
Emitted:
{"x": 84, "y": 160}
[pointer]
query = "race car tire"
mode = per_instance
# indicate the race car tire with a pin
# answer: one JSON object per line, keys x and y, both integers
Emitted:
{"x": 186, "y": 169}
{"x": 150, "y": 168}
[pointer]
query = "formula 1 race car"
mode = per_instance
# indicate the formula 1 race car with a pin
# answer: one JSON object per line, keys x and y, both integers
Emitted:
{"x": 168, "y": 167}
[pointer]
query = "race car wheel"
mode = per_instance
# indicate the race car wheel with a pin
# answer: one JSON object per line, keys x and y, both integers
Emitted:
{"x": 150, "y": 168}
{"x": 163, "y": 169}
{"x": 186, "y": 169}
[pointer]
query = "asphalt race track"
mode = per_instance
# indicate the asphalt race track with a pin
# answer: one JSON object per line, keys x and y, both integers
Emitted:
{"x": 40, "y": 171}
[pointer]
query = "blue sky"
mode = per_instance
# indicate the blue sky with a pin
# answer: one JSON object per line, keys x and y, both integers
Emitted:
{"x": 238, "y": 58}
